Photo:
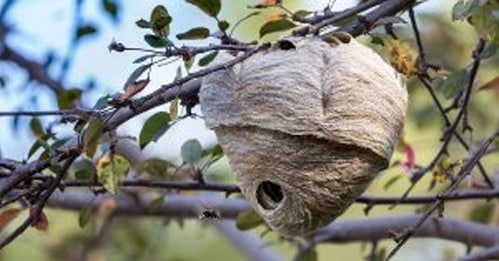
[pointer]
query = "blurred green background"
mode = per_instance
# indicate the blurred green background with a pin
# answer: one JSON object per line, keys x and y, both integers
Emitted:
{"x": 45, "y": 26}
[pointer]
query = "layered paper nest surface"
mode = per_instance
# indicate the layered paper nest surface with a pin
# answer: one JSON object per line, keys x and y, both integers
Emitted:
{"x": 307, "y": 128}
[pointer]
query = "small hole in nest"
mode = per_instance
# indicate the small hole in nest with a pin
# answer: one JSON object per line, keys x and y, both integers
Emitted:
{"x": 286, "y": 45}
{"x": 269, "y": 195}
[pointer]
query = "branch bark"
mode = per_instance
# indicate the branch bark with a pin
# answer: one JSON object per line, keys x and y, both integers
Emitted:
{"x": 339, "y": 231}
{"x": 485, "y": 254}
{"x": 35, "y": 70}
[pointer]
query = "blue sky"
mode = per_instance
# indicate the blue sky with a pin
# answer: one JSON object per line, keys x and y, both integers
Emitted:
{"x": 46, "y": 25}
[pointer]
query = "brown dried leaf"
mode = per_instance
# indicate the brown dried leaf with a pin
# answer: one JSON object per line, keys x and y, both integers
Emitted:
{"x": 266, "y": 3}
{"x": 7, "y": 216}
{"x": 131, "y": 90}
{"x": 490, "y": 85}
{"x": 273, "y": 2}
{"x": 276, "y": 16}
{"x": 106, "y": 208}
{"x": 42, "y": 223}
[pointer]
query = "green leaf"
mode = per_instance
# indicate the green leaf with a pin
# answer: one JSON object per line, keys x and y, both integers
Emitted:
{"x": 191, "y": 151}
{"x": 85, "y": 30}
{"x": 85, "y": 215}
{"x": 454, "y": 83}
{"x": 464, "y": 8}
{"x": 223, "y": 25}
{"x": 276, "y": 26}
{"x": 486, "y": 21}
{"x": 160, "y": 21}
{"x": 194, "y": 34}
{"x": 377, "y": 40}
{"x": 67, "y": 99}
{"x": 136, "y": 74}
{"x": 391, "y": 181}
{"x": 91, "y": 136}
{"x": 40, "y": 142}
{"x": 142, "y": 23}
{"x": 50, "y": 148}
{"x": 239, "y": 22}
{"x": 217, "y": 151}
{"x": 380, "y": 255}
{"x": 482, "y": 213}
{"x": 300, "y": 14}
{"x": 111, "y": 8}
{"x": 155, "y": 204}
{"x": 111, "y": 170}
{"x": 84, "y": 169}
{"x": 207, "y": 59}
{"x": 489, "y": 50}
{"x": 154, "y": 128}
{"x": 155, "y": 167}
{"x": 155, "y": 41}
{"x": 248, "y": 219}
{"x": 209, "y": 7}
{"x": 101, "y": 103}
{"x": 310, "y": 255}
{"x": 36, "y": 127}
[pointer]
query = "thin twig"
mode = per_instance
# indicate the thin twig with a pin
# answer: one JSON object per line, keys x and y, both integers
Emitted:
{"x": 452, "y": 128}
{"x": 48, "y": 113}
{"x": 37, "y": 209}
{"x": 233, "y": 188}
{"x": 465, "y": 170}
{"x": 332, "y": 17}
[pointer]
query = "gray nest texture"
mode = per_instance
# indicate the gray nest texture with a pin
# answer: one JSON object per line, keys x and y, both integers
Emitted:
{"x": 306, "y": 126}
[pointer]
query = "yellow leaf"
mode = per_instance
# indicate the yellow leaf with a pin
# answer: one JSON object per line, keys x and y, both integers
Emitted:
{"x": 111, "y": 170}
{"x": 445, "y": 169}
{"x": 445, "y": 163}
{"x": 402, "y": 57}
{"x": 174, "y": 109}
{"x": 439, "y": 175}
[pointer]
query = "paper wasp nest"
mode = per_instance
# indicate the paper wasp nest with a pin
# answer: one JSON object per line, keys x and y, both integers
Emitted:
{"x": 306, "y": 126}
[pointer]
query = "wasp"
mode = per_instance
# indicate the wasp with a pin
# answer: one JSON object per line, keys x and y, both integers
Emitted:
{"x": 209, "y": 214}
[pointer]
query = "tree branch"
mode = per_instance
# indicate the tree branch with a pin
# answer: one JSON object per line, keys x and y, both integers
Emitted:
{"x": 402, "y": 238}
{"x": 378, "y": 228}
{"x": 339, "y": 231}
{"x": 233, "y": 188}
{"x": 485, "y": 254}
{"x": 35, "y": 70}
{"x": 388, "y": 8}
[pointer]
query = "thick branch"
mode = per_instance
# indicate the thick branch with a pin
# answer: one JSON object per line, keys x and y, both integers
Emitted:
{"x": 467, "y": 232}
{"x": 233, "y": 188}
{"x": 388, "y": 8}
{"x": 486, "y": 254}
{"x": 35, "y": 70}
{"x": 339, "y": 231}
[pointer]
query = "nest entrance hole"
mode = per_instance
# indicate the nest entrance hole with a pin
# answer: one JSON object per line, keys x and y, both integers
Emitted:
{"x": 269, "y": 195}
